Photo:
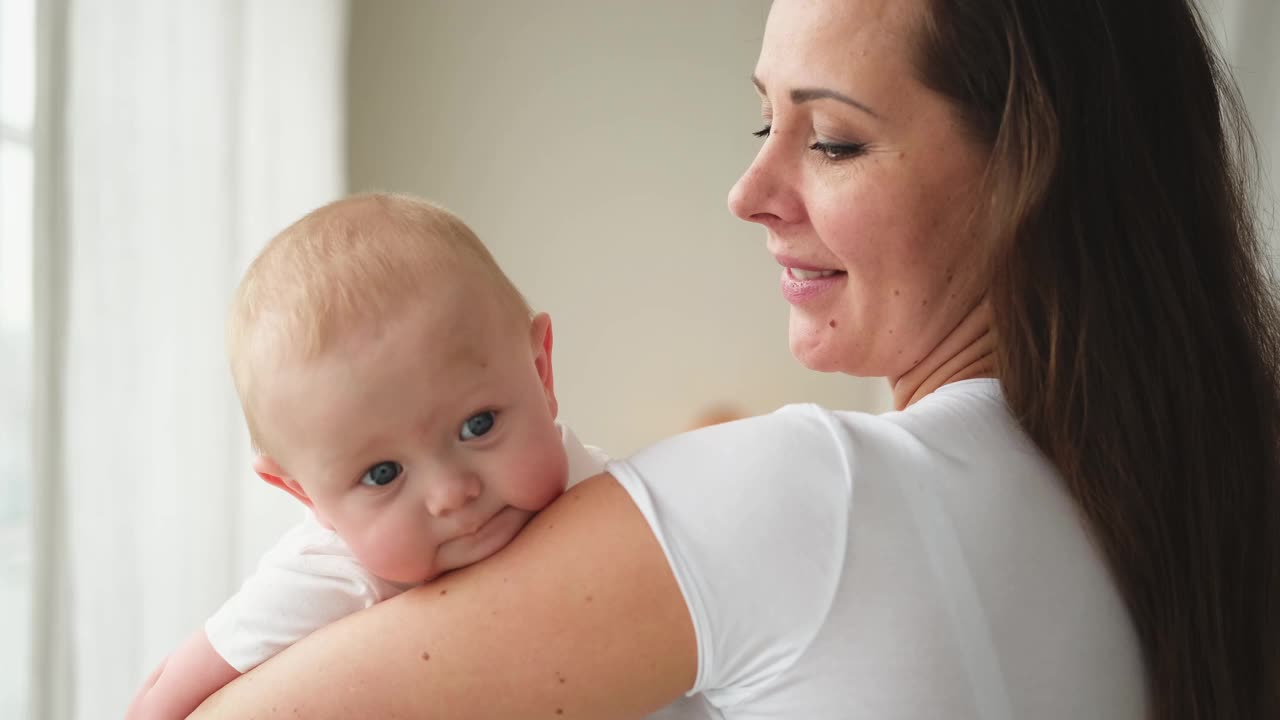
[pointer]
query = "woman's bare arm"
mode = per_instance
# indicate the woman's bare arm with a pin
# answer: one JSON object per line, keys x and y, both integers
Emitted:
{"x": 580, "y": 616}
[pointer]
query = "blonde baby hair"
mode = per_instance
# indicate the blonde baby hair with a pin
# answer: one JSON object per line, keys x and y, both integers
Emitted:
{"x": 354, "y": 263}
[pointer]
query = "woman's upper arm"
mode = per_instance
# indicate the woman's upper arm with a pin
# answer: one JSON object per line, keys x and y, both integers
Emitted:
{"x": 580, "y": 616}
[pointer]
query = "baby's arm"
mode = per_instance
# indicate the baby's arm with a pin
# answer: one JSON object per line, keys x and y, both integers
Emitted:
{"x": 192, "y": 673}
{"x": 308, "y": 580}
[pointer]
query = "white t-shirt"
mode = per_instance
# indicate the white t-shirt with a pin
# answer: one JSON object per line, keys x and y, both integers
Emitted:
{"x": 907, "y": 566}
{"x": 310, "y": 579}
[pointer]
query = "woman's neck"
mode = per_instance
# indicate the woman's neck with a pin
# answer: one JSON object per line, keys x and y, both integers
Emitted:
{"x": 967, "y": 352}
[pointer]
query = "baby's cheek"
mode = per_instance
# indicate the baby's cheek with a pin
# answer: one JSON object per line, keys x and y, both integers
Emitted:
{"x": 387, "y": 552}
{"x": 540, "y": 480}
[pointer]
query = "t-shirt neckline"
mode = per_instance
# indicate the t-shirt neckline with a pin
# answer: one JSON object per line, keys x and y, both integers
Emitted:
{"x": 986, "y": 386}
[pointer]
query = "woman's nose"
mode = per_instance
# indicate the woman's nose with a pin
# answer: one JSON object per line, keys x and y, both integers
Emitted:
{"x": 448, "y": 492}
{"x": 763, "y": 193}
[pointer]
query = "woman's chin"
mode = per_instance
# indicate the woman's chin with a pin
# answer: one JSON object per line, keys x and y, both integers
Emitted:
{"x": 822, "y": 350}
{"x": 815, "y": 350}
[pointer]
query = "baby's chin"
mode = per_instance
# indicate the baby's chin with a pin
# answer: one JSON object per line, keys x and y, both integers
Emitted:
{"x": 489, "y": 539}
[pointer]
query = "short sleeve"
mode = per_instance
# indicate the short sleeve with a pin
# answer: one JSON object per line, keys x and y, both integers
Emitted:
{"x": 305, "y": 582}
{"x": 753, "y": 517}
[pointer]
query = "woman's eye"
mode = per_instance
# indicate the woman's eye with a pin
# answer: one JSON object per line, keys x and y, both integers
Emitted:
{"x": 838, "y": 151}
{"x": 478, "y": 425}
{"x": 763, "y": 132}
{"x": 382, "y": 474}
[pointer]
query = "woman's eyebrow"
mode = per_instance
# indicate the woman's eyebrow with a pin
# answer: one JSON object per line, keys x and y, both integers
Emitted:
{"x": 803, "y": 95}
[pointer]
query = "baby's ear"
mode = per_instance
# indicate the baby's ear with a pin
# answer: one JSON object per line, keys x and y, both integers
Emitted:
{"x": 269, "y": 470}
{"x": 540, "y": 332}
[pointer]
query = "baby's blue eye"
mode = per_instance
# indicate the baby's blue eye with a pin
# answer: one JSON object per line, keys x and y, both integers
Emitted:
{"x": 382, "y": 474}
{"x": 477, "y": 425}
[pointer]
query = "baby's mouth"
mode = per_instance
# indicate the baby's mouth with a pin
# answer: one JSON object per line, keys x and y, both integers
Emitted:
{"x": 474, "y": 527}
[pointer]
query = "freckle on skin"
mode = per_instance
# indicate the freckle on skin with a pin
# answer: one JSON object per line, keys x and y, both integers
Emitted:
{"x": 426, "y": 655}
{"x": 831, "y": 324}
{"x": 588, "y": 598}
{"x": 896, "y": 293}
{"x": 559, "y": 711}
{"x": 444, "y": 592}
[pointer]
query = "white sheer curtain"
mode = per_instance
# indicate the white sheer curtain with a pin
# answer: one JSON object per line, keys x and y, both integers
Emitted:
{"x": 187, "y": 132}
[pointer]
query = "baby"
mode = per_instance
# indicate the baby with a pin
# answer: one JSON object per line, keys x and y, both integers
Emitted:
{"x": 397, "y": 384}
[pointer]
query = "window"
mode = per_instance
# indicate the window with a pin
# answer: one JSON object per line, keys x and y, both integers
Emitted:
{"x": 17, "y": 104}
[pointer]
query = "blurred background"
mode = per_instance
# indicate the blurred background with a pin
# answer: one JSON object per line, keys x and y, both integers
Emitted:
{"x": 150, "y": 147}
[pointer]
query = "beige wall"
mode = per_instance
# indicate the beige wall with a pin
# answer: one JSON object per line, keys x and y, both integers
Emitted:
{"x": 591, "y": 143}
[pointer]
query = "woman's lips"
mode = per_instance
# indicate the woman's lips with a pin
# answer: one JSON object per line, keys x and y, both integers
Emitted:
{"x": 802, "y": 286}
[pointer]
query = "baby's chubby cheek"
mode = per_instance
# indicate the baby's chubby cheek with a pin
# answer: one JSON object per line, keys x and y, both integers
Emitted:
{"x": 391, "y": 554}
{"x": 532, "y": 484}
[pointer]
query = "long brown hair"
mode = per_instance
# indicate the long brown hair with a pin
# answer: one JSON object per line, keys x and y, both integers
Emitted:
{"x": 1137, "y": 330}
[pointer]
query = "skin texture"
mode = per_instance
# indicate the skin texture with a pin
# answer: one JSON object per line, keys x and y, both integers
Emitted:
{"x": 403, "y": 393}
{"x": 881, "y": 192}
{"x": 580, "y": 615}
{"x": 192, "y": 673}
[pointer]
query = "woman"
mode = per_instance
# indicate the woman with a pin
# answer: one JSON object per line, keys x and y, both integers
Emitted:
{"x": 1026, "y": 215}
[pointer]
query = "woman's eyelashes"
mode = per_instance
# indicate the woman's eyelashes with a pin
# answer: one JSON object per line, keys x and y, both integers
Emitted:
{"x": 838, "y": 151}
{"x": 478, "y": 425}
{"x": 829, "y": 150}
{"x": 382, "y": 474}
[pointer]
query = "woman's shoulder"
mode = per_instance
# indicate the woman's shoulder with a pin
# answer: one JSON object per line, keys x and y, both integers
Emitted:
{"x": 759, "y": 518}
{"x": 788, "y": 532}
{"x": 735, "y": 507}
{"x": 968, "y": 417}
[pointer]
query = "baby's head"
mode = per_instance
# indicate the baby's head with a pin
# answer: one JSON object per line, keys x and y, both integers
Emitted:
{"x": 396, "y": 382}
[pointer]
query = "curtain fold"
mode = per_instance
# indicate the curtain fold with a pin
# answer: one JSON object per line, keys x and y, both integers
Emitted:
{"x": 192, "y": 130}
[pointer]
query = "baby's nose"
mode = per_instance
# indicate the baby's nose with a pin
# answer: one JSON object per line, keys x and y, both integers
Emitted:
{"x": 450, "y": 492}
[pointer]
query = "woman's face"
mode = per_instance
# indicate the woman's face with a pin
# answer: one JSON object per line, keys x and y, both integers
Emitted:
{"x": 866, "y": 183}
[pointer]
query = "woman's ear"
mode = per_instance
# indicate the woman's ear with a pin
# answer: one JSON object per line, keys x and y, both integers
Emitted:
{"x": 269, "y": 470}
{"x": 540, "y": 336}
